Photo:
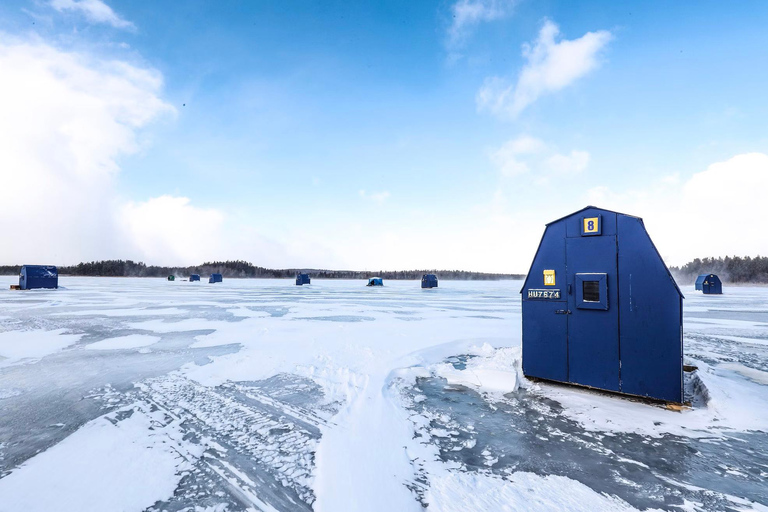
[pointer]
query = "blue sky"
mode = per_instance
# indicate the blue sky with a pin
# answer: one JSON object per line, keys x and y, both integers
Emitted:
{"x": 388, "y": 135}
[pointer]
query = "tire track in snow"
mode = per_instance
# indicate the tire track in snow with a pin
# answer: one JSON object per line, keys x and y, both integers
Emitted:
{"x": 259, "y": 450}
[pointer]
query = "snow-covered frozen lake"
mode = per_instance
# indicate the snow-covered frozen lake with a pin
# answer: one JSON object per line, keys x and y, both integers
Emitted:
{"x": 142, "y": 394}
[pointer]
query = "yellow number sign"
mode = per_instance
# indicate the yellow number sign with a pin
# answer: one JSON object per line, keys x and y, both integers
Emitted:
{"x": 591, "y": 224}
{"x": 549, "y": 278}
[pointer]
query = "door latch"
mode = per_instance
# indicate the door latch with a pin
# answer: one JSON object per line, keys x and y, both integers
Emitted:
{"x": 562, "y": 312}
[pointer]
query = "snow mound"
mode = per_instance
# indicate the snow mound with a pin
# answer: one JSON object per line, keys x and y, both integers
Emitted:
{"x": 490, "y": 371}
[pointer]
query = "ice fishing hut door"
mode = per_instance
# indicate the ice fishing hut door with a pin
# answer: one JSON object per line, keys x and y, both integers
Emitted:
{"x": 593, "y": 326}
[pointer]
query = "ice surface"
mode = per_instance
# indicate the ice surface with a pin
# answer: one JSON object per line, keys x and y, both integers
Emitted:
{"x": 526, "y": 431}
{"x": 261, "y": 395}
{"x": 94, "y": 468}
{"x": 124, "y": 342}
{"x": 19, "y": 345}
{"x": 459, "y": 492}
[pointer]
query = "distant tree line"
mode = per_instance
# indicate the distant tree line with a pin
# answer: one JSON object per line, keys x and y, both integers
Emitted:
{"x": 450, "y": 275}
{"x": 10, "y": 270}
{"x": 731, "y": 269}
{"x": 128, "y": 268}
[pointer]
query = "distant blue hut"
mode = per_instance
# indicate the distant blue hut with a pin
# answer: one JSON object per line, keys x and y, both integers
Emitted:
{"x": 302, "y": 279}
{"x": 709, "y": 284}
{"x": 38, "y": 276}
{"x": 215, "y": 278}
{"x": 429, "y": 281}
{"x": 194, "y": 277}
{"x": 375, "y": 281}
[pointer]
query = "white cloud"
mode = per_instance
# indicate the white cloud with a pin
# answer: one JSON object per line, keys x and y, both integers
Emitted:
{"x": 94, "y": 11}
{"x": 376, "y": 197}
{"x": 671, "y": 179}
{"x": 551, "y": 66}
{"x": 525, "y": 144}
{"x": 169, "y": 231}
{"x": 467, "y": 14}
{"x": 507, "y": 157}
{"x": 572, "y": 163}
{"x": 716, "y": 212}
{"x": 724, "y": 208}
{"x": 380, "y": 197}
{"x": 66, "y": 119}
{"x": 525, "y": 154}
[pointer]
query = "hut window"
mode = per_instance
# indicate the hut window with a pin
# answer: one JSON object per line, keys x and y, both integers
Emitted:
{"x": 591, "y": 291}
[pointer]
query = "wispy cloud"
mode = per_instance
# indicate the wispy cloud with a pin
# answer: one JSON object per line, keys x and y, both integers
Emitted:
{"x": 376, "y": 197}
{"x": 572, "y": 163}
{"x": 94, "y": 11}
{"x": 551, "y": 66}
{"x": 526, "y": 154}
{"x": 170, "y": 230}
{"x": 467, "y": 14}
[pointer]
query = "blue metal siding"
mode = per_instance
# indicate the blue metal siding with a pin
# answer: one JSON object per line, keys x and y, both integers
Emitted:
{"x": 712, "y": 285}
{"x": 215, "y": 278}
{"x": 550, "y": 256}
{"x": 38, "y": 276}
{"x": 650, "y": 315}
{"x": 302, "y": 279}
{"x": 593, "y": 334}
{"x": 545, "y": 332}
{"x": 700, "y": 281}
{"x": 194, "y": 277}
{"x": 429, "y": 281}
{"x": 545, "y": 335}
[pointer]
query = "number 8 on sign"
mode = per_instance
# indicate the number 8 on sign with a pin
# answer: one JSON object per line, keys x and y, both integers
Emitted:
{"x": 591, "y": 225}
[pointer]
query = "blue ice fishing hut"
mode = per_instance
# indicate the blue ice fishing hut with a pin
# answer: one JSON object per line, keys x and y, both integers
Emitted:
{"x": 194, "y": 277}
{"x": 215, "y": 278}
{"x": 302, "y": 279}
{"x": 709, "y": 284}
{"x": 38, "y": 276}
{"x": 375, "y": 281}
{"x": 429, "y": 281}
{"x": 601, "y": 309}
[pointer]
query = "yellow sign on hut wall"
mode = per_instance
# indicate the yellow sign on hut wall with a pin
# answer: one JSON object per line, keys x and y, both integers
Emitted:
{"x": 591, "y": 225}
{"x": 549, "y": 278}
